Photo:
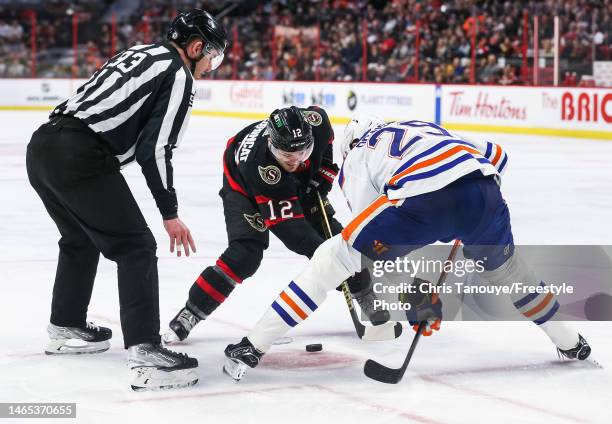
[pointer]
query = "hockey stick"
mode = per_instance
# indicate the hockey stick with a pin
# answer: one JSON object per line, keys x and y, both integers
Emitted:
{"x": 387, "y": 331}
{"x": 378, "y": 371}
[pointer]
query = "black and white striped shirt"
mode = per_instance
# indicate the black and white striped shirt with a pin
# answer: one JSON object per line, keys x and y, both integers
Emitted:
{"x": 139, "y": 103}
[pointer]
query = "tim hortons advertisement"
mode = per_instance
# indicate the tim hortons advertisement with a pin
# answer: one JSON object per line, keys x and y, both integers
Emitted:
{"x": 484, "y": 104}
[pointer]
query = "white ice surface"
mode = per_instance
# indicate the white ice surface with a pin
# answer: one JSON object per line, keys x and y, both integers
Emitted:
{"x": 559, "y": 192}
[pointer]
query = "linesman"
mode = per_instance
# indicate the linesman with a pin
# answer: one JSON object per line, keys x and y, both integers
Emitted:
{"x": 134, "y": 109}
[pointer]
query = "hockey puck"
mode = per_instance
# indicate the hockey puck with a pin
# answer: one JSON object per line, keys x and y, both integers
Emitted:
{"x": 315, "y": 347}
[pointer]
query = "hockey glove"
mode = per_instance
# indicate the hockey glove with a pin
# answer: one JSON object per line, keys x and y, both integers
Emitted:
{"x": 310, "y": 206}
{"x": 358, "y": 283}
{"x": 323, "y": 180}
{"x": 425, "y": 306}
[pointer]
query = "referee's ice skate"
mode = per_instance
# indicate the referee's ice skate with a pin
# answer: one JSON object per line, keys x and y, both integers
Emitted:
{"x": 90, "y": 338}
{"x": 156, "y": 368}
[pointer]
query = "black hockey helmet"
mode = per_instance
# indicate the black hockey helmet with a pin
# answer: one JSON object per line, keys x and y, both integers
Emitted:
{"x": 289, "y": 130}
{"x": 197, "y": 23}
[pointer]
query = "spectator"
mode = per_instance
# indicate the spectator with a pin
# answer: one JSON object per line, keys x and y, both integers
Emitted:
{"x": 330, "y": 45}
{"x": 490, "y": 72}
{"x": 509, "y": 76}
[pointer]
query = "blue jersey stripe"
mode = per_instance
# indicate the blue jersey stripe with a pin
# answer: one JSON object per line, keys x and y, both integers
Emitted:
{"x": 307, "y": 300}
{"x": 437, "y": 170}
{"x": 489, "y": 150}
{"x": 428, "y": 152}
{"x": 283, "y": 314}
{"x": 525, "y": 300}
{"x": 502, "y": 165}
{"x": 549, "y": 315}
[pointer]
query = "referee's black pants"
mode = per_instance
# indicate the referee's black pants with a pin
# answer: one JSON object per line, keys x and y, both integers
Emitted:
{"x": 79, "y": 182}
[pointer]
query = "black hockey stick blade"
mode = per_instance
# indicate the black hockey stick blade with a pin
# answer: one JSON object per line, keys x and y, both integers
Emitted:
{"x": 379, "y": 372}
{"x": 398, "y": 329}
{"x": 359, "y": 327}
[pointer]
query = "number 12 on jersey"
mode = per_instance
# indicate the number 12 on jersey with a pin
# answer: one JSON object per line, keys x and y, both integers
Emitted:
{"x": 285, "y": 212}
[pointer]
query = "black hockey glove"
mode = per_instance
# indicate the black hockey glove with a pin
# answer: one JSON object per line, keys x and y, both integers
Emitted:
{"x": 311, "y": 206}
{"x": 424, "y": 306}
{"x": 358, "y": 283}
{"x": 323, "y": 180}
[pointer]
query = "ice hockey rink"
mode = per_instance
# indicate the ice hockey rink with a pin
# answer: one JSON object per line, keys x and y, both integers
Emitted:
{"x": 558, "y": 191}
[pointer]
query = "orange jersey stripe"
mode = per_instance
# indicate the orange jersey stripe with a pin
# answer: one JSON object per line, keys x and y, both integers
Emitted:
{"x": 540, "y": 306}
{"x": 293, "y": 305}
{"x": 352, "y": 226}
{"x": 372, "y": 207}
{"x": 432, "y": 161}
{"x": 498, "y": 154}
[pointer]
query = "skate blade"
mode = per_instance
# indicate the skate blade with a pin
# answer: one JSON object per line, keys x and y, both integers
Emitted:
{"x": 593, "y": 362}
{"x": 75, "y": 347}
{"x": 283, "y": 340}
{"x": 235, "y": 369}
{"x": 169, "y": 337}
{"x": 153, "y": 379}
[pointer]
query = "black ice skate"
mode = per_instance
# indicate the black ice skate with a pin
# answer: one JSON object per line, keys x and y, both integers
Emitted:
{"x": 581, "y": 351}
{"x": 239, "y": 358}
{"x": 155, "y": 368}
{"x": 365, "y": 299}
{"x": 90, "y": 338}
{"x": 180, "y": 326}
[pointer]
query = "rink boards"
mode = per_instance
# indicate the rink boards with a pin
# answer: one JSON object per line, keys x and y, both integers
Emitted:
{"x": 548, "y": 111}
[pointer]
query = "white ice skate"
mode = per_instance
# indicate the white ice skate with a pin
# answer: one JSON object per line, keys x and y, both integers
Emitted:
{"x": 154, "y": 367}
{"x": 77, "y": 340}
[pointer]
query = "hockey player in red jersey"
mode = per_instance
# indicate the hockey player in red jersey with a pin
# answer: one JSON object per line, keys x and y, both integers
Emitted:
{"x": 272, "y": 171}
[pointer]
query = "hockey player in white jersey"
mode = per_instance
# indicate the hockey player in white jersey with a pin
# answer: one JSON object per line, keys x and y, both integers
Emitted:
{"x": 411, "y": 183}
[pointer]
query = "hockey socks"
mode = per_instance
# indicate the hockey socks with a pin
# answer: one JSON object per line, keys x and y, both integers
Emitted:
{"x": 210, "y": 289}
{"x": 303, "y": 295}
{"x": 538, "y": 305}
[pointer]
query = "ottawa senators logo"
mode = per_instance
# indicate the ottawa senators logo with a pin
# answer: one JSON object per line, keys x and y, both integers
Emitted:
{"x": 256, "y": 221}
{"x": 314, "y": 118}
{"x": 270, "y": 174}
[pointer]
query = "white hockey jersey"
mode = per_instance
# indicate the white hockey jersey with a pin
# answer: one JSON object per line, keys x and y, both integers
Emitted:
{"x": 405, "y": 159}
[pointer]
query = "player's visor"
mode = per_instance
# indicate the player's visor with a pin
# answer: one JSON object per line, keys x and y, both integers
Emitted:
{"x": 291, "y": 157}
{"x": 215, "y": 56}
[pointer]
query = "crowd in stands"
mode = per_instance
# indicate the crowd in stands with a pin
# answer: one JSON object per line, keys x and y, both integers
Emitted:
{"x": 328, "y": 40}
